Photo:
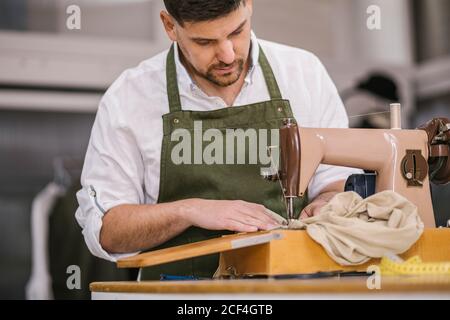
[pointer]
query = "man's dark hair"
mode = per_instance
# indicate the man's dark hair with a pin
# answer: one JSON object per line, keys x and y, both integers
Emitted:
{"x": 200, "y": 10}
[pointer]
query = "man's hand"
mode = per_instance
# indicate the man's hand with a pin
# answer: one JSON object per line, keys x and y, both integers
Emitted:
{"x": 130, "y": 228}
{"x": 239, "y": 216}
{"x": 313, "y": 209}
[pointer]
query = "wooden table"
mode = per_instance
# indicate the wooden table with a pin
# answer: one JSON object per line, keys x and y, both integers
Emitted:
{"x": 326, "y": 288}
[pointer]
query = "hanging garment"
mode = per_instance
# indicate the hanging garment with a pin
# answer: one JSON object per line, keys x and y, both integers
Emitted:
{"x": 67, "y": 248}
{"x": 39, "y": 286}
{"x": 57, "y": 244}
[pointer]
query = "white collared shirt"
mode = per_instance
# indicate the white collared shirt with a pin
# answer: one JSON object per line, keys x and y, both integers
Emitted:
{"x": 122, "y": 164}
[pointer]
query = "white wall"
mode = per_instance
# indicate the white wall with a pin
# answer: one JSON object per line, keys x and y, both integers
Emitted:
{"x": 334, "y": 30}
{"x": 80, "y": 58}
{"x": 337, "y": 32}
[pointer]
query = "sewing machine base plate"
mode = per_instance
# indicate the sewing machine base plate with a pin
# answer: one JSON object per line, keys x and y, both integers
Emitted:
{"x": 297, "y": 253}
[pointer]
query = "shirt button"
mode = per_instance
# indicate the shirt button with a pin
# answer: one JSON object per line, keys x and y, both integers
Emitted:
{"x": 176, "y": 121}
{"x": 92, "y": 193}
{"x": 280, "y": 109}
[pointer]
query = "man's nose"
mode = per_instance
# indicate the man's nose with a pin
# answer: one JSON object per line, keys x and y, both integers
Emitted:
{"x": 226, "y": 53}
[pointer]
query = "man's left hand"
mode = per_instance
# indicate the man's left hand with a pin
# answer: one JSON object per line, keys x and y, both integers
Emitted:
{"x": 313, "y": 209}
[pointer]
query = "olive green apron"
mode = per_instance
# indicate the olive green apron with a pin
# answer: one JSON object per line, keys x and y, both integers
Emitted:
{"x": 217, "y": 181}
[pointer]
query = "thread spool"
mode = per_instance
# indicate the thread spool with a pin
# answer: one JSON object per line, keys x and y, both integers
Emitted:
{"x": 396, "y": 116}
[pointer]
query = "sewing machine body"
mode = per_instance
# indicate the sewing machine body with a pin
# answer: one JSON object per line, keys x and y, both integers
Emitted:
{"x": 383, "y": 151}
{"x": 402, "y": 159}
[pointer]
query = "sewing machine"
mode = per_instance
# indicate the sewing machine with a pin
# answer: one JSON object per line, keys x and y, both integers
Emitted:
{"x": 404, "y": 160}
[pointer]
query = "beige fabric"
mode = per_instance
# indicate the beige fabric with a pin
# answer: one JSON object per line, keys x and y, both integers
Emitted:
{"x": 352, "y": 229}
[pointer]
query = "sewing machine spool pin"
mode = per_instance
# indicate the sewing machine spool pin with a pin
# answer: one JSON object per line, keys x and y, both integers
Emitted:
{"x": 396, "y": 116}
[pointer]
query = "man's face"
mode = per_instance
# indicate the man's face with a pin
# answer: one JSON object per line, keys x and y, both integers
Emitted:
{"x": 217, "y": 50}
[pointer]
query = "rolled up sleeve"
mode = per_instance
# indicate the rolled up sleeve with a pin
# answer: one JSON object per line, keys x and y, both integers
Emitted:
{"x": 112, "y": 173}
{"x": 333, "y": 115}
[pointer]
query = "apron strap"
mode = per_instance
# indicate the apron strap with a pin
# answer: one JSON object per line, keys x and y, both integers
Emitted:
{"x": 271, "y": 82}
{"x": 172, "y": 83}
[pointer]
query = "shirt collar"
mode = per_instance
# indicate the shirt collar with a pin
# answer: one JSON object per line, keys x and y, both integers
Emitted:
{"x": 185, "y": 79}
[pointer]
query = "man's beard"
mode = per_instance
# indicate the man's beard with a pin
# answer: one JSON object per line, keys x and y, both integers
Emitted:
{"x": 226, "y": 79}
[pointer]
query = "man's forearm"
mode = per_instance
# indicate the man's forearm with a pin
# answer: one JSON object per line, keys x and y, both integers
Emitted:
{"x": 130, "y": 228}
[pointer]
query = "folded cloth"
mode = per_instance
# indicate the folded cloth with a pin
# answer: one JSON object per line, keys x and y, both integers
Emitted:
{"x": 352, "y": 230}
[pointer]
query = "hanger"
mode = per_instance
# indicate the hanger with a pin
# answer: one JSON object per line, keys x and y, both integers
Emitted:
{"x": 66, "y": 170}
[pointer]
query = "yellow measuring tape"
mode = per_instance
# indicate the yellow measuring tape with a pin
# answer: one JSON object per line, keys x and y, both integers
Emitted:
{"x": 394, "y": 265}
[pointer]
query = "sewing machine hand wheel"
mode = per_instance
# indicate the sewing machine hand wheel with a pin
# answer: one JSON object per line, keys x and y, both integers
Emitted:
{"x": 438, "y": 131}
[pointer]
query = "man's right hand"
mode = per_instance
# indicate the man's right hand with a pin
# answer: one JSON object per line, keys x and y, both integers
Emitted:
{"x": 233, "y": 215}
{"x": 130, "y": 228}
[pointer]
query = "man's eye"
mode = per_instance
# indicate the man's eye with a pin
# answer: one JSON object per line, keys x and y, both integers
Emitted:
{"x": 203, "y": 43}
{"x": 236, "y": 33}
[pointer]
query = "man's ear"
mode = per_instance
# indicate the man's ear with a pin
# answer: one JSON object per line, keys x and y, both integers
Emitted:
{"x": 249, "y": 3}
{"x": 169, "y": 25}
